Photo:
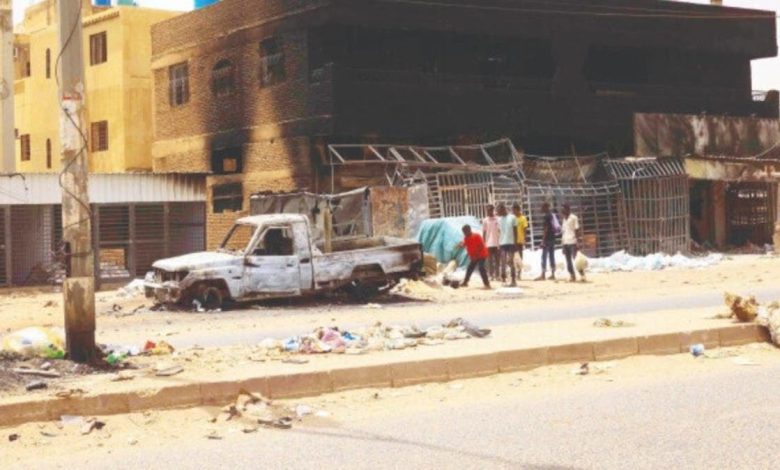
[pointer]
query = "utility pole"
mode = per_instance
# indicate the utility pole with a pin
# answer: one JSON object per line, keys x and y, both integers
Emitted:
{"x": 7, "y": 136}
{"x": 79, "y": 287}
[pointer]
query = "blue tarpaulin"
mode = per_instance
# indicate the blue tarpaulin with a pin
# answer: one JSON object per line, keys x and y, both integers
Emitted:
{"x": 440, "y": 237}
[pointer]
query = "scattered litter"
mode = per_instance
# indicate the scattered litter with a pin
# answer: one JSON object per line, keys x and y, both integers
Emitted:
{"x": 456, "y": 386}
{"x": 294, "y": 360}
{"x": 510, "y": 291}
{"x": 36, "y": 341}
{"x": 13, "y": 437}
{"x": 71, "y": 420}
{"x": 280, "y": 423}
{"x": 697, "y": 349}
{"x": 744, "y": 361}
{"x": 166, "y": 370}
{"x": 249, "y": 429}
{"x": 90, "y": 424}
{"x": 36, "y": 385}
{"x": 69, "y": 393}
{"x": 133, "y": 289}
{"x": 45, "y": 366}
{"x": 745, "y": 309}
{"x": 769, "y": 317}
{"x": 40, "y": 373}
{"x": 609, "y": 323}
{"x": 303, "y": 410}
{"x": 622, "y": 261}
{"x": 132, "y": 441}
{"x": 584, "y": 369}
{"x": 161, "y": 348}
{"x": 322, "y": 414}
{"x": 373, "y": 306}
{"x": 122, "y": 376}
{"x": 213, "y": 435}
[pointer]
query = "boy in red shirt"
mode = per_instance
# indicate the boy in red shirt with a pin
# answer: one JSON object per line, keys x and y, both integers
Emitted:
{"x": 478, "y": 253}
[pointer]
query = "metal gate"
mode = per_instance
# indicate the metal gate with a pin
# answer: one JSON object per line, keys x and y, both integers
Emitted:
{"x": 459, "y": 194}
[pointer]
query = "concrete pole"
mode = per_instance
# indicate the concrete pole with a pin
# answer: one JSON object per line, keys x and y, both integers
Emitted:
{"x": 7, "y": 135}
{"x": 79, "y": 286}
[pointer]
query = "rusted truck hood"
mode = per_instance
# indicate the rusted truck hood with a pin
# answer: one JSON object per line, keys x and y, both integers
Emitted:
{"x": 197, "y": 261}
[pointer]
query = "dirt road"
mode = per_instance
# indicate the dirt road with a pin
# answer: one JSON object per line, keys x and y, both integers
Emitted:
{"x": 604, "y": 295}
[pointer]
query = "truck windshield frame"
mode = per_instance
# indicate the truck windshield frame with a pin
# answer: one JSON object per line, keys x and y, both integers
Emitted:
{"x": 240, "y": 234}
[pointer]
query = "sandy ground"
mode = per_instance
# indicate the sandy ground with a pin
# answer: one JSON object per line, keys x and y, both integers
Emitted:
{"x": 118, "y": 317}
{"x": 40, "y": 445}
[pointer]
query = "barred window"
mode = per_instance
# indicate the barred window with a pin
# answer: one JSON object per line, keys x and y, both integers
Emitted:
{"x": 179, "y": 77}
{"x": 98, "y": 48}
{"x": 271, "y": 62}
{"x": 223, "y": 82}
{"x": 99, "y": 132}
{"x": 24, "y": 140}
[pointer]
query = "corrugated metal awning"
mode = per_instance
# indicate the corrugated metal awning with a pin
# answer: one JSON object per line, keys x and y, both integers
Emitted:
{"x": 105, "y": 188}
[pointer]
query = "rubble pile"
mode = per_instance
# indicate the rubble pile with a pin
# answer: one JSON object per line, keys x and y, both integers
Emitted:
{"x": 378, "y": 337}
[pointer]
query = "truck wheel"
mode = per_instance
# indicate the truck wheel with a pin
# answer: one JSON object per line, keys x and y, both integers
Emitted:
{"x": 211, "y": 298}
{"x": 362, "y": 292}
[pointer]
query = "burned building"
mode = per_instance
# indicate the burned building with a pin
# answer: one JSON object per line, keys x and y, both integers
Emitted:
{"x": 253, "y": 92}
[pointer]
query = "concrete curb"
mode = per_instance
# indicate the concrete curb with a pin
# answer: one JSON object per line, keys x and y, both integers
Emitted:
{"x": 392, "y": 374}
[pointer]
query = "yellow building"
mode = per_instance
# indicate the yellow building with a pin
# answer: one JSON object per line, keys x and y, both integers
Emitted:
{"x": 117, "y": 64}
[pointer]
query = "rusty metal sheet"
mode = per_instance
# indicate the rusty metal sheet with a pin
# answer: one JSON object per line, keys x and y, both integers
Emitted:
{"x": 680, "y": 135}
{"x": 733, "y": 171}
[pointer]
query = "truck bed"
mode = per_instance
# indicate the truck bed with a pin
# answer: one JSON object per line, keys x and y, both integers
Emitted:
{"x": 395, "y": 258}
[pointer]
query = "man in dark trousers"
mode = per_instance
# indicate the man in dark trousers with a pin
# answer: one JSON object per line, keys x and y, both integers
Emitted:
{"x": 548, "y": 243}
{"x": 478, "y": 253}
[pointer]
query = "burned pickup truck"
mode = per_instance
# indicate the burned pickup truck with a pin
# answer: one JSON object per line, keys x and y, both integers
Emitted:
{"x": 273, "y": 256}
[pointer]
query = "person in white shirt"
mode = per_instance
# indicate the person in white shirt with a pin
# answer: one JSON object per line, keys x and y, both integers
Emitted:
{"x": 491, "y": 234}
{"x": 570, "y": 236}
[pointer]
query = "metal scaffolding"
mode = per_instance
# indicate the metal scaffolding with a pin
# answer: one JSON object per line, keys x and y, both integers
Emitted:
{"x": 657, "y": 199}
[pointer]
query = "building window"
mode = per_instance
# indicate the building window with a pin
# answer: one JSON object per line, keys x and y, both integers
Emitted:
{"x": 179, "y": 78}
{"x": 223, "y": 79}
{"x": 271, "y": 62}
{"x": 227, "y": 198}
{"x": 48, "y": 153}
{"x": 98, "y": 51}
{"x": 27, "y": 70}
{"x": 99, "y": 136}
{"x": 225, "y": 161}
{"x": 48, "y": 63}
{"x": 25, "y": 142}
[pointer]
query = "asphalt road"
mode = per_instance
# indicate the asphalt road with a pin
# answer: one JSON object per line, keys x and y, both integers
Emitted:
{"x": 727, "y": 419}
{"x": 486, "y": 316}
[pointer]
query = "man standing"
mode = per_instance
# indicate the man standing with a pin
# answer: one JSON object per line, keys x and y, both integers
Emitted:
{"x": 478, "y": 253}
{"x": 548, "y": 243}
{"x": 490, "y": 234}
{"x": 522, "y": 226}
{"x": 570, "y": 235}
{"x": 507, "y": 226}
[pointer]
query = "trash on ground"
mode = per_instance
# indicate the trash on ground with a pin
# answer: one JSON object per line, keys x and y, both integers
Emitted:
{"x": 509, "y": 291}
{"x": 697, "y": 349}
{"x": 90, "y": 424}
{"x": 168, "y": 370}
{"x": 303, "y": 410}
{"x": 744, "y": 361}
{"x": 122, "y": 376}
{"x": 609, "y": 323}
{"x": 744, "y": 309}
{"x": 13, "y": 437}
{"x": 133, "y": 289}
{"x": 372, "y": 306}
{"x": 36, "y": 385}
{"x": 36, "y": 341}
{"x": 583, "y": 369}
{"x": 37, "y": 372}
{"x": 161, "y": 348}
{"x": 769, "y": 317}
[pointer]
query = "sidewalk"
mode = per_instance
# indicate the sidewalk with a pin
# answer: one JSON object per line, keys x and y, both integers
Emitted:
{"x": 215, "y": 376}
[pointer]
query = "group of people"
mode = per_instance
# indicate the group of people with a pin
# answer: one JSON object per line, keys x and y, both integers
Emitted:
{"x": 504, "y": 235}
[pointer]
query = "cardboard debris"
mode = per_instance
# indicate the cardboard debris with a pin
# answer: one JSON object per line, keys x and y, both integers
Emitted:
{"x": 744, "y": 309}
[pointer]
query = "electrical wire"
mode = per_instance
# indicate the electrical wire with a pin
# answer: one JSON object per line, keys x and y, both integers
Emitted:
{"x": 605, "y": 12}
{"x": 77, "y": 126}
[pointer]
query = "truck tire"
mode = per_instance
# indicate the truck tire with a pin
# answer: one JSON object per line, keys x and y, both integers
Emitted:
{"x": 210, "y": 297}
{"x": 362, "y": 292}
